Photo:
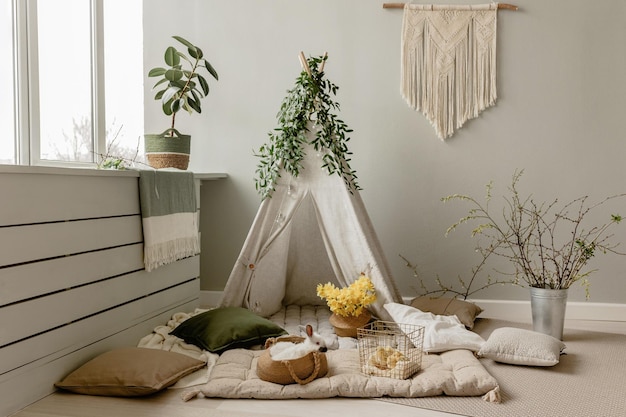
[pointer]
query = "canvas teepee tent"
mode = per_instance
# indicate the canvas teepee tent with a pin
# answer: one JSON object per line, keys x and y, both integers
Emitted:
{"x": 313, "y": 229}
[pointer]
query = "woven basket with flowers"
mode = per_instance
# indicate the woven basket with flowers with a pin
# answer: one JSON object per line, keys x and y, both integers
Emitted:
{"x": 349, "y": 304}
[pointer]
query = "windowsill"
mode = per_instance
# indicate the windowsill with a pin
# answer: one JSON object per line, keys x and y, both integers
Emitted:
{"x": 209, "y": 176}
{"x": 27, "y": 169}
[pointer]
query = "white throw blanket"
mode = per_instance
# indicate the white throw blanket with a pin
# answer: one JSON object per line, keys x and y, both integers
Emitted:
{"x": 161, "y": 339}
{"x": 449, "y": 62}
{"x": 169, "y": 217}
{"x": 441, "y": 333}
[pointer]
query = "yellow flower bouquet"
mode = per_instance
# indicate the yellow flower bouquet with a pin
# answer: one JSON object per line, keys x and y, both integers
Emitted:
{"x": 349, "y": 301}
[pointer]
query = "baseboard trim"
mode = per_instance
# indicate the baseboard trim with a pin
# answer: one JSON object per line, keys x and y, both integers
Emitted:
{"x": 512, "y": 310}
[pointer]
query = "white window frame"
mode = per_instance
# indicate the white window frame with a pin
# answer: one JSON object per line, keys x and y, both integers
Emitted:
{"x": 26, "y": 85}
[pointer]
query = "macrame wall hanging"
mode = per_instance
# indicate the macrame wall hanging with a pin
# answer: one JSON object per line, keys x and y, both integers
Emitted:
{"x": 449, "y": 61}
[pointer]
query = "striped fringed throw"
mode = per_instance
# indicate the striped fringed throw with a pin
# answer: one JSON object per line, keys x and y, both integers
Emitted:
{"x": 169, "y": 217}
{"x": 449, "y": 62}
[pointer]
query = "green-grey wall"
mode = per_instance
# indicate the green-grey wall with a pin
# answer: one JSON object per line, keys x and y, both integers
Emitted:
{"x": 559, "y": 116}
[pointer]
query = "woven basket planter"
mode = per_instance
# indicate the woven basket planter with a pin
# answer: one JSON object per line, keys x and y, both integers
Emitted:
{"x": 169, "y": 149}
{"x": 302, "y": 370}
{"x": 345, "y": 326}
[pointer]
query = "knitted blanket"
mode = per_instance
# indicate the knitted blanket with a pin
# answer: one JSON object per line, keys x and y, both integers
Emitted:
{"x": 169, "y": 218}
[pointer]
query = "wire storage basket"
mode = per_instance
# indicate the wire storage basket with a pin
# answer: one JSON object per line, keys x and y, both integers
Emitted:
{"x": 390, "y": 349}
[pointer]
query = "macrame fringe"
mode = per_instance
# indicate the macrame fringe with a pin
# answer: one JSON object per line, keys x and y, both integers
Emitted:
{"x": 449, "y": 79}
{"x": 167, "y": 252}
{"x": 493, "y": 396}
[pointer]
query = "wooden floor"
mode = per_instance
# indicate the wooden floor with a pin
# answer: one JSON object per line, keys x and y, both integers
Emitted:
{"x": 169, "y": 404}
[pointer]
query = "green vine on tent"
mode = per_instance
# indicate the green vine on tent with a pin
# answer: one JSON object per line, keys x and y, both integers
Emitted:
{"x": 309, "y": 104}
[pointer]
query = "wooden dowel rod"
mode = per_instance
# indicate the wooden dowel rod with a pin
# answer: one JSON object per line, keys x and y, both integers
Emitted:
{"x": 507, "y": 6}
{"x": 401, "y": 6}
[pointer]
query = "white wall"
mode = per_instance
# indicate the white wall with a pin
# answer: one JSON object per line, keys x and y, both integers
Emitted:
{"x": 559, "y": 116}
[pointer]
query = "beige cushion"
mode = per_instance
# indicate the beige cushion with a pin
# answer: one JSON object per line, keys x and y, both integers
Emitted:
{"x": 129, "y": 372}
{"x": 464, "y": 310}
{"x": 522, "y": 347}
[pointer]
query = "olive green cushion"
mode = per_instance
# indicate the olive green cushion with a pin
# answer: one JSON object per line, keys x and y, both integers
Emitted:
{"x": 129, "y": 372}
{"x": 226, "y": 328}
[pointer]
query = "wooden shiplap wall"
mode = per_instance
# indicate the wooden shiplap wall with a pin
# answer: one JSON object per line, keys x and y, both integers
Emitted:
{"x": 72, "y": 281}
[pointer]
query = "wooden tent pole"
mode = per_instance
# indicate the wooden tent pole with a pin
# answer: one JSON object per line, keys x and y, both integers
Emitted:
{"x": 323, "y": 62}
{"x": 304, "y": 64}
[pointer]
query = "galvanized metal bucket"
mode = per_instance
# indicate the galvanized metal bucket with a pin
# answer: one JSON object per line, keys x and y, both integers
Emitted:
{"x": 548, "y": 309}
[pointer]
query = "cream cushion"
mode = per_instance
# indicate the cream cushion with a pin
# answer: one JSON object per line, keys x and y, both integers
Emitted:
{"x": 522, "y": 347}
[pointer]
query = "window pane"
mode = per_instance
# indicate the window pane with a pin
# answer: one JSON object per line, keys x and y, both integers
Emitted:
{"x": 65, "y": 80}
{"x": 123, "y": 58}
{"x": 7, "y": 115}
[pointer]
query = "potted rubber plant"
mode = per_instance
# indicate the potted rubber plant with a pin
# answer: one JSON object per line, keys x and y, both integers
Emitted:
{"x": 180, "y": 86}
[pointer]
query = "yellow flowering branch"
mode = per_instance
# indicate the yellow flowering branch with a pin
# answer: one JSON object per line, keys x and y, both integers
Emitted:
{"x": 351, "y": 300}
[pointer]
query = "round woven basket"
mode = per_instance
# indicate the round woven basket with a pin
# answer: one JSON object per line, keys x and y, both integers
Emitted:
{"x": 165, "y": 160}
{"x": 169, "y": 149}
{"x": 345, "y": 326}
{"x": 302, "y": 370}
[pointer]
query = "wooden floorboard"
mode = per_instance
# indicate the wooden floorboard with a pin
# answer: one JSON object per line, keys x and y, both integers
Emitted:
{"x": 169, "y": 404}
{"x": 165, "y": 404}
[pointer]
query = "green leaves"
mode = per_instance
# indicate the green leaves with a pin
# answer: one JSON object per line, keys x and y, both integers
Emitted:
{"x": 210, "y": 68}
{"x": 173, "y": 75}
{"x": 308, "y": 104}
{"x": 156, "y": 72}
{"x": 181, "y": 83}
{"x": 172, "y": 58}
{"x": 183, "y": 41}
{"x": 203, "y": 84}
